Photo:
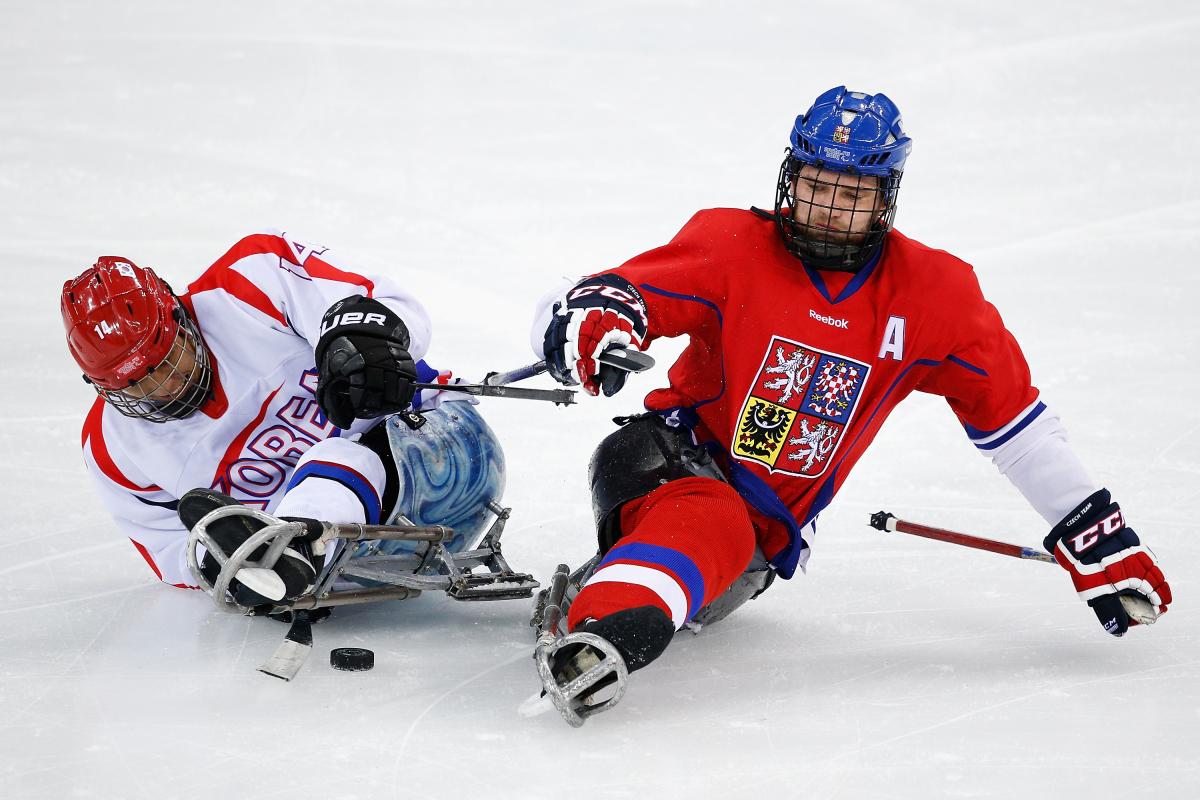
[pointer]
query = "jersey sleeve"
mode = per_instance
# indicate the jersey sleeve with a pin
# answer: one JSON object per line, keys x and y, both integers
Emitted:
{"x": 680, "y": 289}
{"x": 983, "y": 376}
{"x": 986, "y": 381}
{"x": 667, "y": 278}
{"x": 287, "y": 283}
{"x": 141, "y": 510}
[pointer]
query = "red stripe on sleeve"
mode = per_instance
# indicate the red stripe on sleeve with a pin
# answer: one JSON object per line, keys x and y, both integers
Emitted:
{"x": 93, "y": 430}
{"x": 146, "y": 555}
{"x": 149, "y": 560}
{"x": 317, "y": 268}
{"x": 221, "y": 274}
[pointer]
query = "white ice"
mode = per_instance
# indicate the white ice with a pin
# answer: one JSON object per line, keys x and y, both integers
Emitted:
{"x": 478, "y": 151}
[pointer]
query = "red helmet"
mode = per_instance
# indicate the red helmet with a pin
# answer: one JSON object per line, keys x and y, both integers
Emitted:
{"x": 124, "y": 323}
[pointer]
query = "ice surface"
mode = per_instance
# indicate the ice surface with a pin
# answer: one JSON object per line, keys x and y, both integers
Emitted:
{"x": 478, "y": 151}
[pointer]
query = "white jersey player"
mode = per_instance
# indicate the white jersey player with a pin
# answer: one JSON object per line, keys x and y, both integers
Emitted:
{"x": 256, "y": 384}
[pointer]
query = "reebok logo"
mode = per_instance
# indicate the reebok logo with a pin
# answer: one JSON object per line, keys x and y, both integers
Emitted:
{"x": 833, "y": 321}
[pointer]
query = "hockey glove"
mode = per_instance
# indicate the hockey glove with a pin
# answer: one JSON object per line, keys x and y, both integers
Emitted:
{"x": 364, "y": 369}
{"x": 598, "y": 313}
{"x": 1106, "y": 560}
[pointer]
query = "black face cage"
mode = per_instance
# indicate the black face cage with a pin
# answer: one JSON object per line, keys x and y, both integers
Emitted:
{"x": 195, "y": 383}
{"x": 812, "y": 239}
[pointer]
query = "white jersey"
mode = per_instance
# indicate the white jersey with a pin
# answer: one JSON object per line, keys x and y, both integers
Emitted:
{"x": 259, "y": 309}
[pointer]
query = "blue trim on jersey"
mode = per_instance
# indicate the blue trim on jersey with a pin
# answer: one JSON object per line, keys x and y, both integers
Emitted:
{"x": 850, "y": 288}
{"x": 785, "y": 561}
{"x": 755, "y": 491}
{"x": 425, "y": 374}
{"x": 977, "y": 433}
{"x": 967, "y": 365}
{"x": 346, "y": 477}
{"x": 173, "y": 505}
{"x": 1020, "y": 426}
{"x": 683, "y": 567}
{"x": 720, "y": 324}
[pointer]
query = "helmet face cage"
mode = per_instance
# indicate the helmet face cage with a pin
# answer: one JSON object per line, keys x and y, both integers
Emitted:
{"x": 176, "y": 387}
{"x": 823, "y": 217}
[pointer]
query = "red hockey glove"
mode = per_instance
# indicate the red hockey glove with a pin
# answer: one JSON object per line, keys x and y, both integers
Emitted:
{"x": 1106, "y": 560}
{"x": 598, "y": 313}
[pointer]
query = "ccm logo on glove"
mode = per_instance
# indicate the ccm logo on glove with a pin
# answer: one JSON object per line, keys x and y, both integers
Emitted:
{"x": 1083, "y": 542}
{"x": 628, "y": 299}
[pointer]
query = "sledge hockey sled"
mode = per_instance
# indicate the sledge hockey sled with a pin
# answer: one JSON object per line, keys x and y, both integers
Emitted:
{"x": 365, "y": 574}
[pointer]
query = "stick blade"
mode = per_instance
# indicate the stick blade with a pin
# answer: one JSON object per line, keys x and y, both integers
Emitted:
{"x": 628, "y": 360}
{"x": 285, "y": 663}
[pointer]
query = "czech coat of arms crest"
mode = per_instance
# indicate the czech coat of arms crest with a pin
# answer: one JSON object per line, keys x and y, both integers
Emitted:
{"x": 797, "y": 408}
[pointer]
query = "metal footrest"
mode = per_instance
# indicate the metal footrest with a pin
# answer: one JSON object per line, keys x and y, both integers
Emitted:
{"x": 576, "y": 686}
{"x": 494, "y": 586}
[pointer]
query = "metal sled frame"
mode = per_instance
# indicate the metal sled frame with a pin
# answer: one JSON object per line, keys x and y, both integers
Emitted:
{"x": 481, "y": 573}
{"x": 573, "y": 696}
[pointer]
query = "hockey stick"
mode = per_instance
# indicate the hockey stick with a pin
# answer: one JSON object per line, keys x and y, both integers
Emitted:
{"x": 496, "y": 384}
{"x": 562, "y": 397}
{"x": 1137, "y": 607}
{"x": 295, "y": 649}
{"x": 628, "y": 360}
{"x": 883, "y": 521}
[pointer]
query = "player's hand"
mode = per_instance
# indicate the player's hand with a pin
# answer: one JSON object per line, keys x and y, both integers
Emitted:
{"x": 1106, "y": 560}
{"x": 364, "y": 369}
{"x": 597, "y": 313}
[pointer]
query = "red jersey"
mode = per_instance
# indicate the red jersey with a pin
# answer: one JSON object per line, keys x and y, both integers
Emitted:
{"x": 791, "y": 372}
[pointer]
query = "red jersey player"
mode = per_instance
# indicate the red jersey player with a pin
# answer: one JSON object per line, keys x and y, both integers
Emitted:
{"x": 807, "y": 326}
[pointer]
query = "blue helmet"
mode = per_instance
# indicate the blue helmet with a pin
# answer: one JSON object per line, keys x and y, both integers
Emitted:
{"x": 855, "y": 143}
{"x": 449, "y": 469}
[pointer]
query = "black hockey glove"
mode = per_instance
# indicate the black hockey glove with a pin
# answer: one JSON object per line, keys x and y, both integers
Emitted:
{"x": 1107, "y": 560}
{"x": 598, "y": 313}
{"x": 364, "y": 369}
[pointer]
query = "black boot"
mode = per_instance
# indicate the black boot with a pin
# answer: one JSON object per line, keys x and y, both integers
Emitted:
{"x": 639, "y": 635}
{"x": 295, "y": 567}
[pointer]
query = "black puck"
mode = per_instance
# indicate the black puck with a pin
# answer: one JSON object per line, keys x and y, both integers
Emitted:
{"x": 351, "y": 659}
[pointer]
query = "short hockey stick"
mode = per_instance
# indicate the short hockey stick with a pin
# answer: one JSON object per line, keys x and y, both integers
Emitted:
{"x": 628, "y": 360}
{"x": 290, "y": 656}
{"x": 883, "y": 521}
{"x": 1136, "y": 606}
{"x": 562, "y": 397}
{"x": 496, "y": 384}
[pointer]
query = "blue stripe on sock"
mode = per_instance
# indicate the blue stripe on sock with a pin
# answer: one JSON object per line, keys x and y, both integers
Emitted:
{"x": 679, "y": 564}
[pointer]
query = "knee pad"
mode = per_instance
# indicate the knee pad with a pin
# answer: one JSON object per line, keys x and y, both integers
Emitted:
{"x": 643, "y": 454}
{"x": 446, "y": 472}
